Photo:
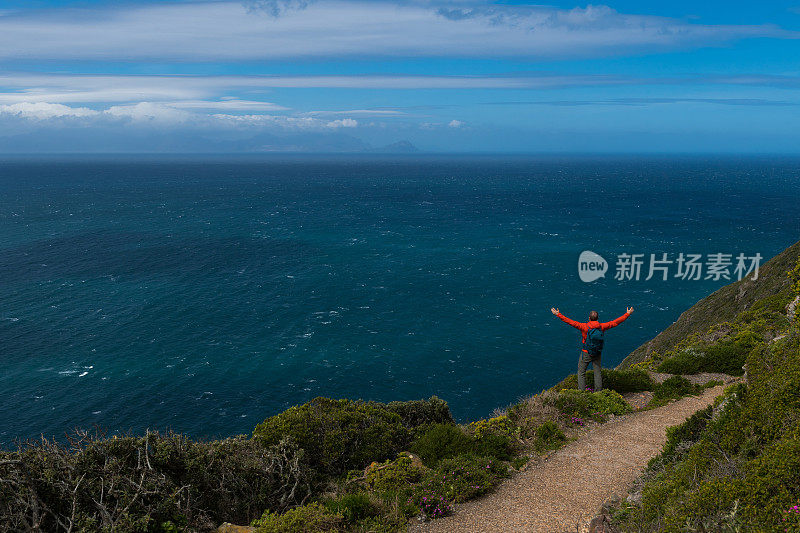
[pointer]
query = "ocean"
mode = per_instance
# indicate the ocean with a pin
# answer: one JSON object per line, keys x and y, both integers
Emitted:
{"x": 207, "y": 293}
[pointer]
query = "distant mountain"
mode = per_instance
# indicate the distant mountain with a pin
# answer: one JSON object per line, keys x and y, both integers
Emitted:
{"x": 399, "y": 147}
{"x": 99, "y": 140}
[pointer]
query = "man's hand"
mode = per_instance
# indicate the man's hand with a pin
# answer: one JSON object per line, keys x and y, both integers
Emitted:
{"x": 630, "y": 310}
{"x": 554, "y": 310}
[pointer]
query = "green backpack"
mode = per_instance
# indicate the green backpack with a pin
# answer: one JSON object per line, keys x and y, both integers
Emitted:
{"x": 594, "y": 341}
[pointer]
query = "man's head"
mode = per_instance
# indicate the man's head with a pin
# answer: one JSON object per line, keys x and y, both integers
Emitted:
{"x": 593, "y": 315}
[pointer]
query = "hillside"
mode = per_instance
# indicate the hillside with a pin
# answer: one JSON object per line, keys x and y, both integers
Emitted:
{"x": 734, "y": 466}
{"x": 721, "y": 306}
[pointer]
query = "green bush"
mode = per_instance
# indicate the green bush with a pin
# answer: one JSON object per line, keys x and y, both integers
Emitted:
{"x": 339, "y": 435}
{"x": 726, "y": 357}
{"x": 311, "y": 518}
{"x": 794, "y": 278}
{"x": 457, "y": 479}
{"x": 497, "y": 446}
{"x": 384, "y": 524}
{"x": 416, "y": 413}
{"x": 441, "y": 441}
{"x": 673, "y": 388}
{"x": 352, "y": 507}
{"x": 596, "y": 405}
{"x": 393, "y": 476}
{"x": 548, "y": 436}
{"x": 686, "y": 433}
{"x": 519, "y": 461}
{"x": 772, "y": 480}
{"x": 484, "y": 438}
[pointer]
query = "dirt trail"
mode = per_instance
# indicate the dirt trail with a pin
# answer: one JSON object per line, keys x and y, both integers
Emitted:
{"x": 568, "y": 488}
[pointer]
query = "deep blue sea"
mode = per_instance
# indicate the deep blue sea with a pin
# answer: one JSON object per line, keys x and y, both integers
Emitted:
{"x": 206, "y": 294}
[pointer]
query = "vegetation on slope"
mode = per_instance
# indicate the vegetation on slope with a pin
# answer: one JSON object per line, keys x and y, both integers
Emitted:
{"x": 736, "y": 466}
{"x": 327, "y": 465}
{"x": 721, "y": 306}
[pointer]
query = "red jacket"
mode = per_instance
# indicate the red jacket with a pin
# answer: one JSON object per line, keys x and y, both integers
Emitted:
{"x": 585, "y": 326}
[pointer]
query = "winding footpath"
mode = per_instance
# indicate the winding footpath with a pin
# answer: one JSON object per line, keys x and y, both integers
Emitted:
{"x": 563, "y": 492}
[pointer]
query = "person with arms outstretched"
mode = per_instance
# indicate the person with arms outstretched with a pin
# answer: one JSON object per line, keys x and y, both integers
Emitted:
{"x": 592, "y": 337}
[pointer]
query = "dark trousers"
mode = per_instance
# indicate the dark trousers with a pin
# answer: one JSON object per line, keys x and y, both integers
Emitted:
{"x": 583, "y": 362}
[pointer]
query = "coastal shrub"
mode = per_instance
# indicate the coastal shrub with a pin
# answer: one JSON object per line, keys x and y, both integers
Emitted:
{"x": 772, "y": 480}
{"x": 338, "y": 435}
{"x": 672, "y": 388}
{"x": 531, "y": 412}
{"x": 736, "y": 465}
{"x": 726, "y": 357}
{"x": 467, "y": 476}
{"x": 497, "y": 446}
{"x": 791, "y": 519}
{"x": 573, "y": 403}
{"x": 519, "y": 461}
{"x": 633, "y": 379}
{"x": 391, "y": 523}
{"x": 440, "y": 441}
{"x": 432, "y": 503}
{"x": 499, "y": 425}
{"x": 147, "y": 482}
{"x": 725, "y": 346}
{"x": 548, "y": 437}
{"x": 392, "y": 476}
{"x": 352, "y": 507}
{"x": 311, "y": 518}
{"x": 486, "y": 438}
{"x": 417, "y": 413}
{"x": 609, "y": 402}
{"x": 687, "y": 432}
{"x": 495, "y": 437}
{"x": 457, "y": 479}
{"x": 794, "y": 278}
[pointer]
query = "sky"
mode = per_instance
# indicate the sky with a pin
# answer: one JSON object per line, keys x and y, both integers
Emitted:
{"x": 382, "y": 75}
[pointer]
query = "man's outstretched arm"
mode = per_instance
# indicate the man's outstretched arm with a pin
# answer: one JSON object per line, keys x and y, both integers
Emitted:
{"x": 574, "y": 324}
{"x": 617, "y": 321}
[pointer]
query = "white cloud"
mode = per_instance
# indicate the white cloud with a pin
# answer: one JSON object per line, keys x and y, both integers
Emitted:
{"x": 275, "y": 8}
{"x": 359, "y": 112}
{"x": 228, "y": 104}
{"x": 150, "y": 112}
{"x": 205, "y": 91}
{"x": 168, "y": 115}
{"x": 44, "y": 110}
{"x": 209, "y": 92}
{"x": 455, "y": 123}
{"x": 264, "y": 120}
{"x": 342, "y": 123}
{"x": 230, "y": 31}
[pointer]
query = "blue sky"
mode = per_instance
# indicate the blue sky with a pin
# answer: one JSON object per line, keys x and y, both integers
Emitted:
{"x": 350, "y": 75}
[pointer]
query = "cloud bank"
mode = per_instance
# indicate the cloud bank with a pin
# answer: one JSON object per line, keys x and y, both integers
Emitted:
{"x": 208, "y": 31}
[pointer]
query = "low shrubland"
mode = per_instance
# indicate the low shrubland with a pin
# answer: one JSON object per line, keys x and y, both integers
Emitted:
{"x": 339, "y": 435}
{"x": 327, "y": 465}
{"x": 724, "y": 347}
{"x": 736, "y": 465}
{"x": 156, "y": 482}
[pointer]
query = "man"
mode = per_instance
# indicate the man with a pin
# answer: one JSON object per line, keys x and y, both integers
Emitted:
{"x": 592, "y": 339}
